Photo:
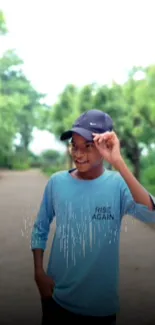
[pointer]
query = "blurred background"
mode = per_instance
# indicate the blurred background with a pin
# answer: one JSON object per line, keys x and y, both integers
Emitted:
{"x": 61, "y": 58}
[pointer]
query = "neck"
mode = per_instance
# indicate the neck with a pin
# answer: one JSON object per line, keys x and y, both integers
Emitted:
{"x": 91, "y": 174}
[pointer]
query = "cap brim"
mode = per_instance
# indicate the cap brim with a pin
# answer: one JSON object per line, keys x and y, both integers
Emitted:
{"x": 80, "y": 131}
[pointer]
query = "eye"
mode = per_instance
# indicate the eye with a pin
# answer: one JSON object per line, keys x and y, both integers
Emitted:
{"x": 89, "y": 145}
{"x": 73, "y": 144}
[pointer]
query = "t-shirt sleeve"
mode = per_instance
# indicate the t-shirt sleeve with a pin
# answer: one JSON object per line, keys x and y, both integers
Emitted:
{"x": 44, "y": 218}
{"x": 130, "y": 207}
{"x": 152, "y": 199}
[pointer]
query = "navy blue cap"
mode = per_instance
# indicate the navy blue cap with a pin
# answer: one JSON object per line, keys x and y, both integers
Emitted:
{"x": 92, "y": 121}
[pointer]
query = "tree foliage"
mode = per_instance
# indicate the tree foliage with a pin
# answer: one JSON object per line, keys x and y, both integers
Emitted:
{"x": 19, "y": 103}
{"x": 131, "y": 105}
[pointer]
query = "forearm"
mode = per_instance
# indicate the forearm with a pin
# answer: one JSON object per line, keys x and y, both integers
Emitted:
{"x": 139, "y": 194}
{"x": 38, "y": 244}
{"x": 38, "y": 255}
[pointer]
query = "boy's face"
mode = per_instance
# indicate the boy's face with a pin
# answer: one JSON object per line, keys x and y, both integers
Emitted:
{"x": 85, "y": 154}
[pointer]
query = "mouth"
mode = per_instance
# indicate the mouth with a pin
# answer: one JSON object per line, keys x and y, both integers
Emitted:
{"x": 81, "y": 162}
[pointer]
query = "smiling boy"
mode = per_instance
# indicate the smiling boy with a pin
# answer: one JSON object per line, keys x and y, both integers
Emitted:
{"x": 89, "y": 202}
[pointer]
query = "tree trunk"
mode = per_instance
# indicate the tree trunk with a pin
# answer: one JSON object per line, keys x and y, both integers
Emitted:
{"x": 133, "y": 153}
{"x": 136, "y": 163}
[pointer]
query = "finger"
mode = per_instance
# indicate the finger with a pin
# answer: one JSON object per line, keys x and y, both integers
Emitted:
{"x": 109, "y": 133}
{"x": 102, "y": 137}
{"x": 108, "y": 136}
{"x": 96, "y": 136}
{"x": 96, "y": 143}
{"x": 109, "y": 145}
{"x": 104, "y": 140}
{"x": 100, "y": 140}
{"x": 99, "y": 146}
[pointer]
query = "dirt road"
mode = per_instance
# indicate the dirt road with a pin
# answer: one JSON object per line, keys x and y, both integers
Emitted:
{"x": 20, "y": 195}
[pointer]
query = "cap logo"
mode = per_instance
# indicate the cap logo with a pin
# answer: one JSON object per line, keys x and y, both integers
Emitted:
{"x": 92, "y": 123}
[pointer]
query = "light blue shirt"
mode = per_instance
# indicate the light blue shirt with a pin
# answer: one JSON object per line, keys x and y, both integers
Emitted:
{"x": 84, "y": 259}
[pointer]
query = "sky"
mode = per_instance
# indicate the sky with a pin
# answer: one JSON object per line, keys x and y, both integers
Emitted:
{"x": 79, "y": 42}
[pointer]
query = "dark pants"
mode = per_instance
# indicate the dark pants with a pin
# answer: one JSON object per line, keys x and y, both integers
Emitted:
{"x": 52, "y": 311}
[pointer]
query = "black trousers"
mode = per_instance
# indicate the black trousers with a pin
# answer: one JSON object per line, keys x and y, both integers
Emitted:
{"x": 51, "y": 311}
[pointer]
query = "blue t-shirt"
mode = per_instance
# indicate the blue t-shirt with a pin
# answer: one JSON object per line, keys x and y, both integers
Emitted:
{"x": 84, "y": 259}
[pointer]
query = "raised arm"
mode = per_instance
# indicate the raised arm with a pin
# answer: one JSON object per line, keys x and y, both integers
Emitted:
{"x": 139, "y": 194}
{"x": 135, "y": 200}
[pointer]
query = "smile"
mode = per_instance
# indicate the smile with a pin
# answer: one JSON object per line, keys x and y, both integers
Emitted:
{"x": 81, "y": 162}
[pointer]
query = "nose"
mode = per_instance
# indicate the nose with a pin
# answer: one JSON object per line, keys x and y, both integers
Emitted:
{"x": 79, "y": 153}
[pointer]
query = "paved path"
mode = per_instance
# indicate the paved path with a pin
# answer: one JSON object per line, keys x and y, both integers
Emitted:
{"x": 20, "y": 195}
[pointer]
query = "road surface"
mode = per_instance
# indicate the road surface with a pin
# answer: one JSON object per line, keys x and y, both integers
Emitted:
{"x": 20, "y": 195}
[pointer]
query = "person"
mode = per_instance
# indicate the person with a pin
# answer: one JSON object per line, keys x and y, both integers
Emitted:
{"x": 88, "y": 202}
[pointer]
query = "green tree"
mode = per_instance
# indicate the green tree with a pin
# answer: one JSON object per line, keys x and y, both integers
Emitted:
{"x": 131, "y": 106}
{"x": 19, "y": 104}
{"x": 63, "y": 114}
{"x": 9, "y": 108}
{"x": 85, "y": 98}
{"x": 139, "y": 98}
{"x": 3, "y": 28}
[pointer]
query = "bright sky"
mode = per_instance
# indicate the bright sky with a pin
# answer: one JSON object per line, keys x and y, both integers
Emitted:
{"x": 78, "y": 41}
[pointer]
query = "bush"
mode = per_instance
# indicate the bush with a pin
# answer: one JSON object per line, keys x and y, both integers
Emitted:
{"x": 52, "y": 170}
{"x": 19, "y": 161}
{"x": 17, "y": 165}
